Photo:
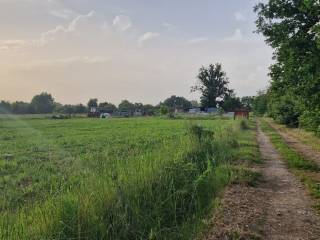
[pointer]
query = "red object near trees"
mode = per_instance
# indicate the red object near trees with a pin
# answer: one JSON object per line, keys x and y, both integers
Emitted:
{"x": 242, "y": 113}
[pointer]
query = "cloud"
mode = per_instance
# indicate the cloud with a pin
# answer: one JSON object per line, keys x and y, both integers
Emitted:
{"x": 122, "y": 23}
{"x": 147, "y": 37}
{"x": 51, "y": 34}
{"x": 197, "y": 40}
{"x": 12, "y": 45}
{"x": 62, "y": 13}
{"x": 240, "y": 17}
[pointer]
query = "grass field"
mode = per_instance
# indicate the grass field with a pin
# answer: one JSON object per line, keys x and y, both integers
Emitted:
{"x": 144, "y": 178}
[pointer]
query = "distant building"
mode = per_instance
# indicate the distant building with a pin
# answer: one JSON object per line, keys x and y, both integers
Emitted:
{"x": 242, "y": 113}
{"x": 211, "y": 110}
{"x": 194, "y": 110}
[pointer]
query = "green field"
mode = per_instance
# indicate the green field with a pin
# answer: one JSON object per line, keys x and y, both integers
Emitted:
{"x": 140, "y": 178}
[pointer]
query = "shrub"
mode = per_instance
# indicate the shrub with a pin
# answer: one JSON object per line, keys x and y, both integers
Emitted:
{"x": 310, "y": 120}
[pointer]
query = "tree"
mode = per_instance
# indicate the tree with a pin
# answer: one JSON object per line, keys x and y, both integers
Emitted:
{"x": 247, "y": 102}
{"x": 213, "y": 85}
{"x": 43, "y": 103}
{"x": 292, "y": 29}
{"x": 164, "y": 109}
{"x": 231, "y": 102}
{"x": 148, "y": 109}
{"x": 126, "y": 106}
{"x": 108, "y": 107}
{"x": 175, "y": 102}
{"x": 5, "y": 107}
{"x": 260, "y": 103}
{"x": 19, "y": 107}
{"x": 93, "y": 102}
{"x": 80, "y": 108}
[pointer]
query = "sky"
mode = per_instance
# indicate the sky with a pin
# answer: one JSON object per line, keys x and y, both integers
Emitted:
{"x": 140, "y": 50}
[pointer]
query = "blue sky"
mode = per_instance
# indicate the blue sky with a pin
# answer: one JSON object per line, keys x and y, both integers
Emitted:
{"x": 143, "y": 50}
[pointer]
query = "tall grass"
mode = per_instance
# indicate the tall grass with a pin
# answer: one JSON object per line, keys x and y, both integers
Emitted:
{"x": 160, "y": 195}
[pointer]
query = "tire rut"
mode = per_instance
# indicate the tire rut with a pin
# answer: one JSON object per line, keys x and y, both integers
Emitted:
{"x": 302, "y": 148}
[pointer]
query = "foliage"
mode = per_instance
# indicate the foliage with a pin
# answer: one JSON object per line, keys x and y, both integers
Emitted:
{"x": 5, "y": 107}
{"x": 108, "y": 107}
{"x": 93, "y": 102}
{"x": 231, "y": 102}
{"x": 285, "y": 110}
{"x": 43, "y": 103}
{"x": 260, "y": 103}
{"x": 70, "y": 109}
{"x": 292, "y": 29}
{"x": 213, "y": 85}
{"x": 126, "y": 106}
{"x": 247, "y": 102}
{"x": 310, "y": 120}
{"x": 179, "y": 103}
{"x": 164, "y": 110}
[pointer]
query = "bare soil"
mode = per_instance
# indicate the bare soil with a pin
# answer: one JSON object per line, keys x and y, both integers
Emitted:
{"x": 277, "y": 208}
{"x": 302, "y": 148}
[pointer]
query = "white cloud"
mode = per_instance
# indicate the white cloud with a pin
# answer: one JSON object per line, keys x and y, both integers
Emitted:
{"x": 240, "y": 17}
{"x": 72, "y": 26}
{"x": 62, "y": 13}
{"x": 51, "y": 34}
{"x": 147, "y": 37}
{"x": 197, "y": 40}
{"x": 122, "y": 23}
{"x": 13, "y": 44}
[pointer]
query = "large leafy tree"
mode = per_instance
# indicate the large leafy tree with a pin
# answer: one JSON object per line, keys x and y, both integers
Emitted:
{"x": 175, "y": 102}
{"x": 212, "y": 84}
{"x": 231, "y": 102}
{"x": 292, "y": 28}
{"x": 108, "y": 107}
{"x": 93, "y": 102}
{"x": 42, "y": 103}
{"x": 126, "y": 106}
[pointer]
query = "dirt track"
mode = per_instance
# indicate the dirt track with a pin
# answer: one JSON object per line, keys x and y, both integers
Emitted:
{"x": 304, "y": 149}
{"x": 277, "y": 208}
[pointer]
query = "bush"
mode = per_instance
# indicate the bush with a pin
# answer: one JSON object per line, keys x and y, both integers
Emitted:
{"x": 310, "y": 120}
{"x": 285, "y": 110}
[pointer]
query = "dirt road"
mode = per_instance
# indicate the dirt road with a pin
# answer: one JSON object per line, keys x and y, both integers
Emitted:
{"x": 277, "y": 208}
{"x": 304, "y": 149}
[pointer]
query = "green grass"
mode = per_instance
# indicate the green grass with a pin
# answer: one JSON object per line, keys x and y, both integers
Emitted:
{"x": 145, "y": 178}
{"x": 306, "y": 170}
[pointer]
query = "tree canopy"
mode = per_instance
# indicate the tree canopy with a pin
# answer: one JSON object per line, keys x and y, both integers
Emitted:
{"x": 292, "y": 28}
{"x": 179, "y": 103}
{"x": 212, "y": 84}
{"x": 43, "y": 103}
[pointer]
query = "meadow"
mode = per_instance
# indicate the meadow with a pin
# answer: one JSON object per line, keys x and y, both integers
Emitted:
{"x": 139, "y": 178}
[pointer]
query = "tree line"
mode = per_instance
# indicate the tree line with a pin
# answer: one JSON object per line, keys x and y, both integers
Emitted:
{"x": 212, "y": 84}
{"x": 292, "y": 29}
{"x": 44, "y": 103}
